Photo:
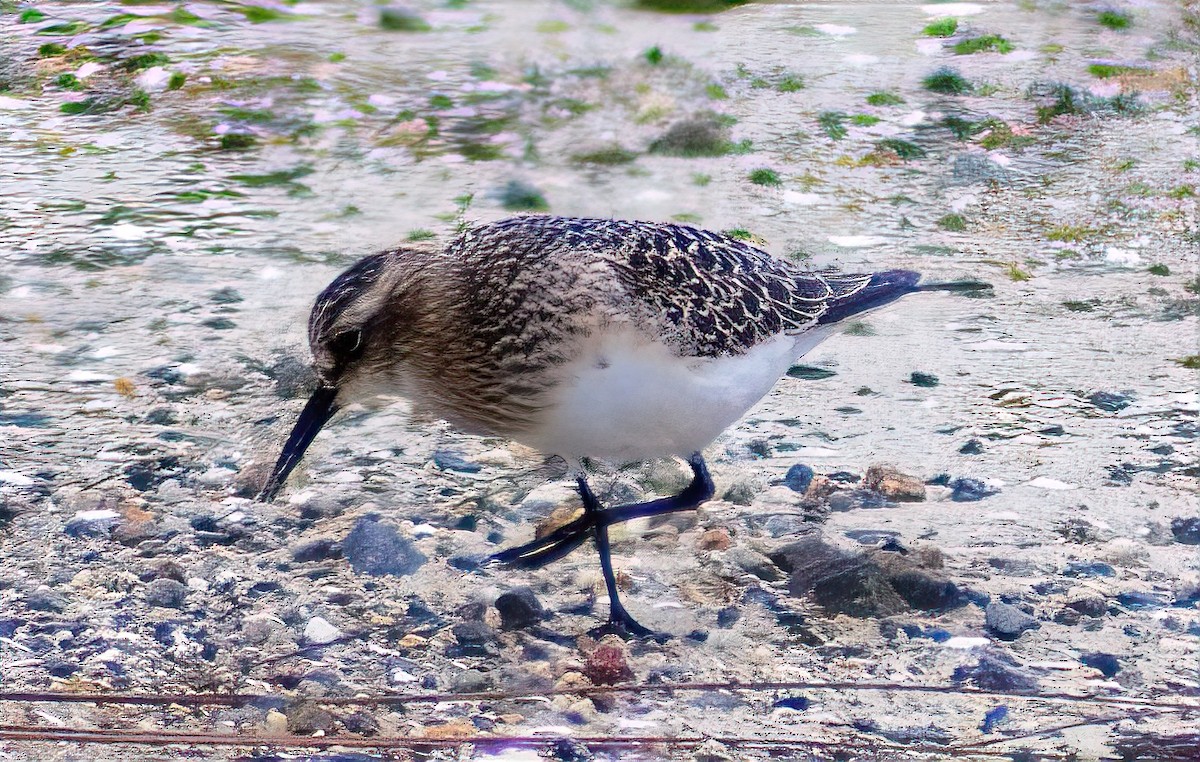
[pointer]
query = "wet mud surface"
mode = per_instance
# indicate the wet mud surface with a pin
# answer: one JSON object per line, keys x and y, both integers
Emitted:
{"x": 992, "y": 498}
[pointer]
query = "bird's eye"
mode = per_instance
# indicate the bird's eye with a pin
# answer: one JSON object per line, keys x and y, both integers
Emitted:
{"x": 347, "y": 345}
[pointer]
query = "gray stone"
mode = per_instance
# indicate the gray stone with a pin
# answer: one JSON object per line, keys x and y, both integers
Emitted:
{"x": 167, "y": 593}
{"x": 519, "y": 608}
{"x": 377, "y": 548}
{"x": 1007, "y": 622}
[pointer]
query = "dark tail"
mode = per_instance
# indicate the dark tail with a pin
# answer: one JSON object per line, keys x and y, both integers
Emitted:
{"x": 885, "y": 288}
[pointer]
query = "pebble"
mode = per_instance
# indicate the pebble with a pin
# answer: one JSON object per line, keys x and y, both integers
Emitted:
{"x": 317, "y": 550}
{"x": 519, "y": 608}
{"x": 607, "y": 665}
{"x": 1106, "y": 663}
{"x": 923, "y": 380}
{"x": 753, "y": 562}
{"x": 1186, "y": 530}
{"x": 319, "y": 631}
{"x": 714, "y": 539}
{"x": 799, "y": 477}
{"x": 469, "y": 681}
{"x": 972, "y": 447}
{"x": 45, "y": 599}
{"x": 95, "y": 523}
{"x": 1111, "y": 402}
{"x": 167, "y": 593}
{"x": 376, "y": 548}
{"x": 62, "y": 668}
{"x": 997, "y": 671}
{"x": 308, "y": 717}
{"x": 970, "y": 490}
{"x": 569, "y": 750}
{"x": 474, "y": 638}
{"x": 893, "y": 484}
{"x": 992, "y": 718}
{"x": 741, "y": 492}
{"x": 448, "y": 460}
{"x": 1006, "y": 621}
{"x": 861, "y": 585}
{"x": 276, "y": 722}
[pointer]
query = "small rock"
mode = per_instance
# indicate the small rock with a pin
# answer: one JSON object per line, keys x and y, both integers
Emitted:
{"x": 377, "y": 548}
{"x": 713, "y": 750}
{"x": 364, "y": 725}
{"x": 569, "y": 750}
{"x": 992, "y": 718}
{"x": 607, "y": 665}
{"x": 837, "y": 580}
{"x": 799, "y": 477}
{"x": 448, "y": 460}
{"x": 894, "y": 485}
{"x": 795, "y": 703}
{"x": 714, "y": 539}
{"x": 741, "y": 492}
{"x": 519, "y": 608}
{"x": 45, "y": 599}
{"x": 1088, "y": 605}
{"x": 1006, "y": 621}
{"x": 62, "y": 667}
{"x": 856, "y": 499}
{"x": 997, "y": 671}
{"x": 95, "y": 523}
{"x": 923, "y": 380}
{"x": 1106, "y": 663}
{"x": 276, "y": 722}
{"x": 317, "y": 550}
{"x": 728, "y": 616}
{"x": 319, "y": 631}
{"x": 468, "y": 681}
{"x": 972, "y": 447}
{"x": 1111, "y": 402}
{"x": 755, "y": 563}
{"x": 1186, "y": 530}
{"x": 970, "y": 490}
{"x": 474, "y": 638}
{"x": 308, "y": 717}
{"x": 1089, "y": 569}
{"x": 167, "y": 593}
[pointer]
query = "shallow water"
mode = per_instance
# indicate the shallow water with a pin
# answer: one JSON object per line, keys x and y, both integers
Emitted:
{"x": 159, "y": 252}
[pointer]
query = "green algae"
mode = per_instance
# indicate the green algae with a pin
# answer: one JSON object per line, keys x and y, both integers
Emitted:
{"x": 1115, "y": 20}
{"x": 982, "y": 44}
{"x": 884, "y": 98}
{"x": 831, "y": 122}
{"x": 954, "y": 223}
{"x": 947, "y": 81}
{"x": 943, "y": 27}
{"x": 764, "y": 176}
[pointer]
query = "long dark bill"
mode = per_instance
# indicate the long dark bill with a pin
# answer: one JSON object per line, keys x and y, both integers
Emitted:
{"x": 320, "y": 408}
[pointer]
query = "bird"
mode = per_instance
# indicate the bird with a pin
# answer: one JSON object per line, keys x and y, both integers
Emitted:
{"x": 583, "y": 338}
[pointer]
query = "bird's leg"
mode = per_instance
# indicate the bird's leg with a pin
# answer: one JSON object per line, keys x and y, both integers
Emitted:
{"x": 595, "y": 521}
{"x": 562, "y": 541}
{"x": 693, "y": 495}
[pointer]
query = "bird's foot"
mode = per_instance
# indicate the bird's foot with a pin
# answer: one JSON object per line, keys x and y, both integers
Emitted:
{"x": 624, "y": 626}
{"x": 552, "y": 547}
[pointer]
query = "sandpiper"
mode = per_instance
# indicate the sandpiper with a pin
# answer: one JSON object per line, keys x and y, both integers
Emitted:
{"x": 582, "y": 338}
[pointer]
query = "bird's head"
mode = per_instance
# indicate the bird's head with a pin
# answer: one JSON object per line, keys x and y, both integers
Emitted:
{"x": 358, "y": 333}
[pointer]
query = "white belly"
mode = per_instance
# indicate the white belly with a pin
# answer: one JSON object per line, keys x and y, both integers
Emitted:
{"x": 627, "y": 399}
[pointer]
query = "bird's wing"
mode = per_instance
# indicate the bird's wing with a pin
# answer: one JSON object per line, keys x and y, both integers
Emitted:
{"x": 718, "y": 295}
{"x": 710, "y": 294}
